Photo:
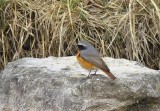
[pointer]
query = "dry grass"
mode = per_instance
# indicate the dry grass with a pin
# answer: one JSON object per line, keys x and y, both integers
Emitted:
{"x": 118, "y": 28}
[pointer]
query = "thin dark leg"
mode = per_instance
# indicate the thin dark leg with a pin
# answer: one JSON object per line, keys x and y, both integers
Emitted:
{"x": 95, "y": 71}
{"x": 89, "y": 74}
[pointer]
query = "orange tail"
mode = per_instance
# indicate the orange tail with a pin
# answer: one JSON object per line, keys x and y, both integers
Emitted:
{"x": 110, "y": 75}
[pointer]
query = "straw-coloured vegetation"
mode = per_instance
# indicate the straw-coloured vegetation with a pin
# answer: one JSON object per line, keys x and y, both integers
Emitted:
{"x": 118, "y": 28}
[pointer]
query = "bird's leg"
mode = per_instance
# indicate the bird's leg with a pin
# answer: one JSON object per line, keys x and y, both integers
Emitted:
{"x": 89, "y": 73}
{"x": 95, "y": 71}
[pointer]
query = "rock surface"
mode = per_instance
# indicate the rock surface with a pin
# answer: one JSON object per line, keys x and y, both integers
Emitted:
{"x": 60, "y": 84}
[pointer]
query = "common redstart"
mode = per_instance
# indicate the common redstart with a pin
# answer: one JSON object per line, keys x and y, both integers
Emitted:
{"x": 89, "y": 58}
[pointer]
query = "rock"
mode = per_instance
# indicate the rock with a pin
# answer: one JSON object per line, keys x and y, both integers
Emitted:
{"x": 60, "y": 84}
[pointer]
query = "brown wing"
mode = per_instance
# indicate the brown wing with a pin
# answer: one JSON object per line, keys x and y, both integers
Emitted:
{"x": 97, "y": 61}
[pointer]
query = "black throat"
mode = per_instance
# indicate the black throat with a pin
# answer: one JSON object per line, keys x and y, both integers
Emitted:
{"x": 82, "y": 47}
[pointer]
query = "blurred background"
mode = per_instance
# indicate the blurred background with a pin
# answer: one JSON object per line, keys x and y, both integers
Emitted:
{"x": 127, "y": 29}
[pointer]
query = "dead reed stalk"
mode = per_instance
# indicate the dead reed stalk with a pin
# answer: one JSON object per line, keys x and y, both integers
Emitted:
{"x": 118, "y": 28}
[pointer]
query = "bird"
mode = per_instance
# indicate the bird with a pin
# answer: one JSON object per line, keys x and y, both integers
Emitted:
{"x": 90, "y": 59}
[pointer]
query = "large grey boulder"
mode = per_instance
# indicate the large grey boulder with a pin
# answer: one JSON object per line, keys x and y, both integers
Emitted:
{"x": 60, "y": 84}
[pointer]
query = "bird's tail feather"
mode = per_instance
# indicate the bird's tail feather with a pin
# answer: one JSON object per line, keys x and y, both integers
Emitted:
{"x": 110, "y": 74}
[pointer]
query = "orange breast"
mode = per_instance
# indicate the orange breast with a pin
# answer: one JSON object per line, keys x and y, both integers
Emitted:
{"x": 84, "y": 63}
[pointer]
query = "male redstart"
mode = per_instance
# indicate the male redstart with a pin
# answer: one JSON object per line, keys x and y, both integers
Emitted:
{"x": 89, "y": 58}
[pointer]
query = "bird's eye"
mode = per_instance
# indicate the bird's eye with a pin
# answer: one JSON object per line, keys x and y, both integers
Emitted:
{"x": 81, "y": 47}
